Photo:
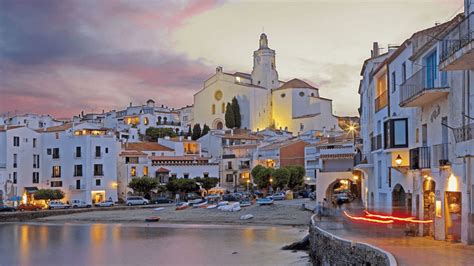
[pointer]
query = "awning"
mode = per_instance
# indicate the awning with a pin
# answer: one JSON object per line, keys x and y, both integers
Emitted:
{"x": 31, "y": 189}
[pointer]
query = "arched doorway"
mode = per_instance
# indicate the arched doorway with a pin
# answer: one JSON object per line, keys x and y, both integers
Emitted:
{"x": 343, "y": 188}
{"x": 429, "y": 187}
{"x": 218, "y": 124}
{"x": 399, "y": 205}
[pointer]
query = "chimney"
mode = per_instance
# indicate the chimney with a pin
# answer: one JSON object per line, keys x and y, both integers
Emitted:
{"x": 218, "y": 69}
{"x": 375, "y": 49}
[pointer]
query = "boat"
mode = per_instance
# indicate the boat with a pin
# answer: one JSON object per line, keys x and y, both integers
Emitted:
{"x": 245, "y": 203}
{"x": 199, "y": 205}
{"x": 195, "y": 201}
{"x": 264, "y": 201}
{"x": 159, "y": 209}
{"x": 181, "y": 206}
{"x": 212, "y": 206}
{"x": 152, "y": 219}
{"x": 222, "y": 203}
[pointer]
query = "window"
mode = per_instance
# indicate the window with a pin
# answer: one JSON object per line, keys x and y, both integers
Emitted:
{"x": 48, "y": 151}
{"x": 34, "y": 142}
{"x": 14, "y": 178}
{"x": 56, "y": 183}
{"x": 301, "y": 93}
{"x": 229, "y": 178}
{"x": 301, "y": 126}
{"x": 213, "y": 109}
{"x": 431, "y": 70}
{"x": 133, "y": 171}
{"x": 15, "y": 160}
{"x": 78, "y": 170}
{"x": 396, "y": 133}
{"x": 404, "y": 72}
{"x": 417, "y": 135}
{"x": 57, "y": 135}
{"x": 56, "y": 153}
{"x": 106, "y": 150}
{"x": 146, "y": 121}
{"x": 229, "y": 165}
{"x": 186, "y": 175}
{"x": 56, "y": 171}
{"x": 97, "y": 182}
{"x": 394, "y": 83}
{"x": 98, "y": 170}
{"x": 379, "y": 174}
{"x": 174, "y": 175}
{"x": 78, "y": 152}
{"x": 16, "y": 141}
{"x": 35, "y": 178}
{"x": 36, "y": 161}
{"x": 206, "y": 174}
{"x": 145, "y": 170}
{"x": 78, "y": 184}
{"x": 282, "y": 95}
{"x": 131, "y": 160}
{"x": 223, "y": 108}
{"x": 97, "y": 151}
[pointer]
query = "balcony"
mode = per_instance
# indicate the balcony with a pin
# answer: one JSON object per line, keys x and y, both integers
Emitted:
{"x": 420, "y": 158}
{"x": 458, "y": 47}
{"x": 376, "y": 142}
{"x": 362, "y": 159}
{"x": 440, "y": 155}
{"x": 74, "y": 187}
{"x": 464, "y": 133}
{"x": 420, "y": 90}
{"x": 381, "y": 101}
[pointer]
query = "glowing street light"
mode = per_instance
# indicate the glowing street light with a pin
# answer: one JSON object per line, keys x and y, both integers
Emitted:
{"x": 398, "y": 160}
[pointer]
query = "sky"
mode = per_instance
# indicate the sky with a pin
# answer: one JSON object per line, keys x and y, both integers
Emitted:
{"x": 64, "y": 57}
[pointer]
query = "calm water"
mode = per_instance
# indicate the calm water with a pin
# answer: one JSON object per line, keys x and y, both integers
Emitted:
{"x": 110, "y": 244}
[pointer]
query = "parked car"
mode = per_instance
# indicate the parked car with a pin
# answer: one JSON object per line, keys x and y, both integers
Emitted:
{"x": 136, "y": 201}
{"x": 80, "y": 204}
{"x": 277, "y": 196}
{"x": 302, "y": 194}
{"x": 161, "y": 200}
{"x": 312, "y": 195}
{"x": 5, "y": 208}
{"x": 231, "y": 197}
{"x": 106, "y": 203}
{"x": 58, "y": 205}
{"x": 191, "y": 196}
{"x": 30, "y": 207}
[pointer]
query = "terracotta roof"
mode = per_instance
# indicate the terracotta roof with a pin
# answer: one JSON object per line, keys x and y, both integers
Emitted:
{"x": 279, "y": 145}
{"x": 146, "y": 146}
{"x": 178, "y": 158}
{"x": 162, "y": 170}
{"x": 337, "y": 156}
{"x": 2, "y": 128}
{"x": 241, "y": 136}
{"x": 295, "y": 83}
{"x": 56, "y": 128}
{"x": 132, "y": 153}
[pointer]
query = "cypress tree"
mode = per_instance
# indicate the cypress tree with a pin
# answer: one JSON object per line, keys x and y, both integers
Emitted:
{"x": 236, "y": 110}
{"x": 196, "y": 132}
{"x": 205, "y": 130}
{"x": 229, "y": 116}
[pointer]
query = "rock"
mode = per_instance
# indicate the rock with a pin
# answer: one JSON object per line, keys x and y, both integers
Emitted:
{"x": 300, "y": 245}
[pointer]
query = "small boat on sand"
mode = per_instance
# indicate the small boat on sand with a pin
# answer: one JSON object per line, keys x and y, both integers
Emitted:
{"x": 264, "y": 201}
{"x": 245, "y": 203}
{"x": 182, "y": 206}
{"x": 222, "y": 203}
{"x": 199, "y": 205}
{"x": 212, "y": 206}
{"x": 152, "y": 219}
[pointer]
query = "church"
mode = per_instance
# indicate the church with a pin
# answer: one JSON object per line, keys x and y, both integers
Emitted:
{"x": 264, "y": 100}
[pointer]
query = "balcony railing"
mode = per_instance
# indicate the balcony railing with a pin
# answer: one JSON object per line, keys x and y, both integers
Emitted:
{"x": 381, "y": 101}
{"x": 420, "y": 158}
{"x": 459, "y": 37}
{"x": 419, "y": 83}
{"x": 362, "y": 158}
{"x": 376, "y": 142}
{"x": 74, "y": 187}
{"x": 440, "y": 154}
{"x": 464, "y": 133}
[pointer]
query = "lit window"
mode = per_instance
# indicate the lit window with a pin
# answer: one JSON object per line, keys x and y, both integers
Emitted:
{"x": 223, "y": 108}
{"x": 213, "y": 109}
{"x": 145, "y": 121}
{"x": 145, "y": 170}
{"x": 133, "y": 171}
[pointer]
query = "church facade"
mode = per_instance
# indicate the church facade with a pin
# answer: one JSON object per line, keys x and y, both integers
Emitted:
{"x": 264, "y": 100}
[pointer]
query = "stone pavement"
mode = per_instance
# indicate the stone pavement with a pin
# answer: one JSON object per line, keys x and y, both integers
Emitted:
{"x": 407, "y": 250}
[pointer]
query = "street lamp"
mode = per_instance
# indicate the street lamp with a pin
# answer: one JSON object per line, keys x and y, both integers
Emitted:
{"x": 248, "y": 182}
{"x": 398, "y": 160}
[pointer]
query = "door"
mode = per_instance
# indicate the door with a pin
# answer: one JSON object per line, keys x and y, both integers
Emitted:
{"x": 424, "y": 135}
{"x": 444, "y": 130}
{"x": 431, "y": 70}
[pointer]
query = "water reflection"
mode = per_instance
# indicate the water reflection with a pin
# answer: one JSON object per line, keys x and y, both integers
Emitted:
{"x": 99, "y": 244}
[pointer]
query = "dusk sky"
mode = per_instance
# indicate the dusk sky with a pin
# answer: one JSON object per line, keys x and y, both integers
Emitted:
{"x": 61, "y": 57}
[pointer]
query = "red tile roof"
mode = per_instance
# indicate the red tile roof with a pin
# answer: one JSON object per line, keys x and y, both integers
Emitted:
{"x": 145, "y": 146}
{"x": 295, "y": 83}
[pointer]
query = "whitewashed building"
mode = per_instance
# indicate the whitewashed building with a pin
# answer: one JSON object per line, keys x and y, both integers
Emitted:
{"x": 264, "y": 100}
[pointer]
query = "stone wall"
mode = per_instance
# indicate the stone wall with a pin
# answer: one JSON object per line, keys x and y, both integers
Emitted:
{"x": 328, "y": 249}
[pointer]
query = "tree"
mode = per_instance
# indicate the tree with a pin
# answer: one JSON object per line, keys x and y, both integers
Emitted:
{"x": 256, "y": 170}
{"x": 229, "y": 116}
{"x": 154, "y": 133}
{"x": 205, "y": 130}
{"x": 196, "y": 132}
{"x": 207, "y": 182}
{"x": 182, "y": 185}
{"x": 190, "y": 133}
{"x": 49, "y": 194}
{"x": 296, "y": 176}
{"x": 143, "y": 185}
{"x": 236, "y": 110}
{"x": 262, "y": 177}
{"x": 281, "y": 177}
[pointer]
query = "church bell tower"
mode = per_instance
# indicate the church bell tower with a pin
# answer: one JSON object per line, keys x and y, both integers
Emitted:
{"x": 264, "y": 72}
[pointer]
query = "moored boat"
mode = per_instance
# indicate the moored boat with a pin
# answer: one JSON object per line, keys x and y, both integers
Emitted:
{"x": 264, "y": 201}
{"x": 152, "y": 219}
